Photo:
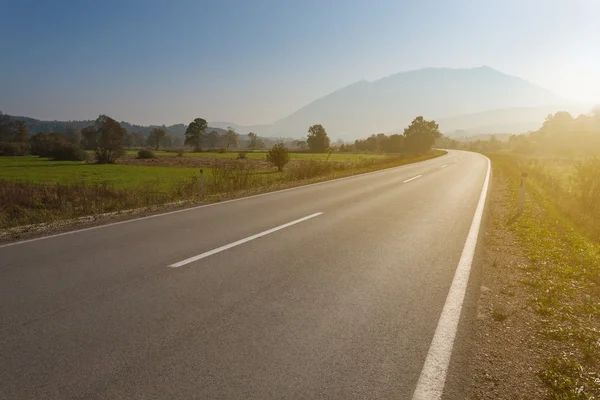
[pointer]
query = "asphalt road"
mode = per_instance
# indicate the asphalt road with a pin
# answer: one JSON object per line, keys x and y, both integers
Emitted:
{"x": 342, "y": 305}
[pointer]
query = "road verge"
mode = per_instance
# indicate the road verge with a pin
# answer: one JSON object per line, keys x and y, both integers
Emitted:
{"x": 537, "y": 333}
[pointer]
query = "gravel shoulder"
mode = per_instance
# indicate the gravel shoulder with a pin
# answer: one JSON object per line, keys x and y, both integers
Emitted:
{"x": 537, "y": 330}
{"x": 505, "y": 340}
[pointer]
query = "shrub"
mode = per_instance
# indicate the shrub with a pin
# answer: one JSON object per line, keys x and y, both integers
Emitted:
{"x": 14, "y": 149}
{"x": 223, "y": 149}
{"x": 65, "y": 151}
{"x": 241, "y": 155}
{"x": 278, "y": 156}
{"x": 145, "y": 154}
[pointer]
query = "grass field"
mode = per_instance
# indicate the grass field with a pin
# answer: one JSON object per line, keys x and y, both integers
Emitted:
{"x": 40, "y": 170}
{"x": 36, "y": 190}
{"x": 260, "y": 155}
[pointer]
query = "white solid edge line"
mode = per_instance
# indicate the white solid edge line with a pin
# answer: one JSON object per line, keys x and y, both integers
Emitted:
{"x": 242, "y": 241}
{"x": 412, "y": 179}
{"x": 430, "y": 385}
{"x": 217, "y": 203}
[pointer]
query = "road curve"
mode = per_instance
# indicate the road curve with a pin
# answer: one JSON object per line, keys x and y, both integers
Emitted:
{"x": 325, "y": 291}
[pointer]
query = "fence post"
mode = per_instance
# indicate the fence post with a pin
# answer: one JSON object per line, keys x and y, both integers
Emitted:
{"x": 521, "y": 201}
{"x": 202, "y": 184}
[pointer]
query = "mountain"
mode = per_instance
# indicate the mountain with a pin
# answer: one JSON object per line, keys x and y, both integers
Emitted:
{"x": 389, "y": 104}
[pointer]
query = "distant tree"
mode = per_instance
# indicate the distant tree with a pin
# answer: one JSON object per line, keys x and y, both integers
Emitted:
{"x": 382, "y": 142}
{"x": 156, "y": 135}
{"x": 278, "y": 156}
{"x": 167, "y": 141}
{"x": 73, "y": 135}
{"x": 128, "y": 140}
{"x": 194, "y": 134}
{"x": 231, "y": 138}
{"x": 138, "y": 139}
{"x": 43, "y": 144}
{"x": 420, "y": 136}
{"x": 177, "y": 142}
{"x": 317, "y": 140}
{"x": 106, "y": 138}
{"x": 212, "y": 138}
{"x": 301, "y": 144}
{"x": 369, "y": 144}
{"x": 395, "y": 144}
{"x": 252, "y": 140}
{"x": 22, "y": 135}
{"x": 6, "y": 128}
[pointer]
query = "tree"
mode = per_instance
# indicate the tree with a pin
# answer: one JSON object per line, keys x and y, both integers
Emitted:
{"x": 420, "y": 136}
{"x": 167, "y": 141}
{"x": 231, "y": 138}
{"x": 194, "y": 134}
{"x": 212, "y": 138}
{"x": 300, "y": 144}
{"x": 106, "y": 138}
{"x": 73, "y": 135}
{"x": 395, "y": 144}
{"x": 253, "y": 140}
{"x": 317, "y": 140}
{"x": 156, "y": 135}
{"x": 22, "y": 135}
{"x": 128, "y": 140}
{"x": 369, "y": 144}
{"x": 6, "y": 128}
{"x": 278, "y": 156}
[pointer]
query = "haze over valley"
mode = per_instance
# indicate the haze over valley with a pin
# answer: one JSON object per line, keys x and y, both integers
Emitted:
{"x": 465, "y": 102}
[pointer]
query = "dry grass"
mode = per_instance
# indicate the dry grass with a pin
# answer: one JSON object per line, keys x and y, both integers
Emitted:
{"x": 24, "y": 203}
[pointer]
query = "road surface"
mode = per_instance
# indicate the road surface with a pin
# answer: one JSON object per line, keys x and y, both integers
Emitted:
{"x": 328, "y": 291}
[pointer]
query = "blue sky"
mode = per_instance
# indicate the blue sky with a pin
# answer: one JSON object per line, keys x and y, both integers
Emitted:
{"x": 256, "y": 61}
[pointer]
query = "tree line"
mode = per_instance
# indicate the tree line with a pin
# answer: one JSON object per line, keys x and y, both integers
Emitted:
{"x": 107, "y": 138}
{"x": 560, "y": 135}
{"x": 418, "y": 138}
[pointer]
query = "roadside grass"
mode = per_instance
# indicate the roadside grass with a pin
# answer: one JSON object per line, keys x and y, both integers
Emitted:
{"x": 563, "y": 280}
{"x": 34, "y": 190}
{"x": 559, "y": 177}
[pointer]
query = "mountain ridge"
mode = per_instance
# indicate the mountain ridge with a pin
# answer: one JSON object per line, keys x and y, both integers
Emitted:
{"x": 385, "y": 104}
{"x": 473, "y": 100}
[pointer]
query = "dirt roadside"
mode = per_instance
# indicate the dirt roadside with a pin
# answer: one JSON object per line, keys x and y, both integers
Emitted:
{"x": 537, "y": 330}
{"x": 505, "y": 357}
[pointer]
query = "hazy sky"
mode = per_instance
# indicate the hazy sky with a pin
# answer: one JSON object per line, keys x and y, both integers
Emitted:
{"x": 253, "y": 61}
